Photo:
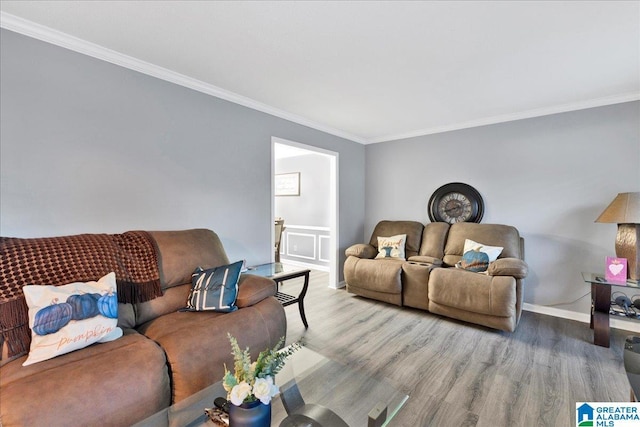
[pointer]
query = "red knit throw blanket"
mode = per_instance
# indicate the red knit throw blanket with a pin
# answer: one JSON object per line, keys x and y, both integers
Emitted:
{"x": 60, "y": 260}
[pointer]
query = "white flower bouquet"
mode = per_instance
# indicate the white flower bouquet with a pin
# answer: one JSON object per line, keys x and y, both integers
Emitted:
{"x": 254, "y": 381}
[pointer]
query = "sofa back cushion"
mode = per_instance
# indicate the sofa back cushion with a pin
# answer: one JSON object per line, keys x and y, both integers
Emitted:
{"x": 434, "y": 238}
{"x": 179, "y": 254}
{"x": 412, "y": 229}
{"x": 505, "y": 236}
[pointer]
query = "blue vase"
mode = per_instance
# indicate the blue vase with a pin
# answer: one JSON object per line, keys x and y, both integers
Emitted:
{"x": 252, "y": 414}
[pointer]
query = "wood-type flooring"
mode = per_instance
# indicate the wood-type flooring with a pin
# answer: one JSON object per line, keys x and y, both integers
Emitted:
{"x": 458, "y": 374}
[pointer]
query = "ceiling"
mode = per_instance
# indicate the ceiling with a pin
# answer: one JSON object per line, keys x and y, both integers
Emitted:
{"x": 366, "y": 71}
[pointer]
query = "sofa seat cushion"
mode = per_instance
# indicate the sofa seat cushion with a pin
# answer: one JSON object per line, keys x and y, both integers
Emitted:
{"x": 379, "y": 275}
{"x": 119, "y": 383}
{"x": 474, "y": 292}
{"x": 196, "y": 343}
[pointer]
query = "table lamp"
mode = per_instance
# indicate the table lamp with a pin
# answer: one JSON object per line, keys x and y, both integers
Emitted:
{"x": 625, "y": 211}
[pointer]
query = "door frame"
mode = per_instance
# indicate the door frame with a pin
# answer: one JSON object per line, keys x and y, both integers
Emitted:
{"x": 333, "y": 202}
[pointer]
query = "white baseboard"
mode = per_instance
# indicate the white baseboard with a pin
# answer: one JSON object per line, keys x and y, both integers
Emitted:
{"x": 626, "y": 325}
{"x": 341, "y": 285}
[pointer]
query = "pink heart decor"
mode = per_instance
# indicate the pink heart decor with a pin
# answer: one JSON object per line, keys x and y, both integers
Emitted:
{"x": 615, "y": 269}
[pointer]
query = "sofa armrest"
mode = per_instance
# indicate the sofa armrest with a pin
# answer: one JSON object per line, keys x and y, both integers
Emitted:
{"x": 361, "y": 250}
{"x": 426, "y": 259}
{"x": 508, "y": 267}
{"x": 252, "y": 289}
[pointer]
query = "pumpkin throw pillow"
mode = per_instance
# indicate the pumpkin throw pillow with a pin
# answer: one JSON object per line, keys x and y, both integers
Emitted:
{"x": 476, "y": 256}
{"x": 391, "y": 247}
{"x": 215, "y": 289}
{"x": 70, "y": 317}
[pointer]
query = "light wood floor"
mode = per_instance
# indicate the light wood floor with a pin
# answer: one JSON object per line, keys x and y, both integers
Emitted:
{"x": 459, "y": 374}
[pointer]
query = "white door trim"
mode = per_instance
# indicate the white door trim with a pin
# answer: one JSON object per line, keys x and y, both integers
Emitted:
{"x": 334, "y": 208}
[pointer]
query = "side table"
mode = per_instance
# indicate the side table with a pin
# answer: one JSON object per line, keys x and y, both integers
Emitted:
{"x": 601, "y": 305}
{"x": 278, "y": 273}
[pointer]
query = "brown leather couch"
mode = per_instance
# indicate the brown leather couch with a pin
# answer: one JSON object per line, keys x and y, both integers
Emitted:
{"x": 429, "y": 280}
{"x": 164, "y": 356}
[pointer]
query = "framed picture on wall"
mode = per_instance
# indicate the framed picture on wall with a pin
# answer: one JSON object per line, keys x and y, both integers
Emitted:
{"x": 287, "y": 184}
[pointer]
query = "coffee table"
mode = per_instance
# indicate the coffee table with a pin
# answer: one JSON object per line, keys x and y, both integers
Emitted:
{"x": 279, "y": 273}
{"x": 310, "y": 385}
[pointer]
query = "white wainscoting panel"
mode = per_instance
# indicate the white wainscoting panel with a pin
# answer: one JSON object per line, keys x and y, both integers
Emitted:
{"x": 306, "y": 245}
{"x": 299, "y": 239}
{"x": 324, "y": 249}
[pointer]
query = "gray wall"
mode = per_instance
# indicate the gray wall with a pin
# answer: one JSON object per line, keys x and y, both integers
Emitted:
{"x": 87, "y": 146}
{"x": 549, "y": 176}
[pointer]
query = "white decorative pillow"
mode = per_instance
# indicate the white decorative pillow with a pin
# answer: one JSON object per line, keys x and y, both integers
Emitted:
{"x": 70, "y": 317}
{"x": 391, "y": 247}
{"x": 476, "y": 256}
{"x": 493, "y": 252}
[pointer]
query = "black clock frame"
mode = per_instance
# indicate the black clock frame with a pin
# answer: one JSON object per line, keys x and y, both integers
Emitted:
{"x": 477, "y": 204}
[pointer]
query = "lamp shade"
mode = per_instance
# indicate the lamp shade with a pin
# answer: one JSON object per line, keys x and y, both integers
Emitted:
{"x": 625, "y": 209}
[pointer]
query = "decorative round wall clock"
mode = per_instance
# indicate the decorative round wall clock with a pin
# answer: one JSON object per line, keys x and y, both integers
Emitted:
{"x": 456, "y": 202}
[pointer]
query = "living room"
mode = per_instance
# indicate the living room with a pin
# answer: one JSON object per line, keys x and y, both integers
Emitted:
{"x": 95, "y": 139}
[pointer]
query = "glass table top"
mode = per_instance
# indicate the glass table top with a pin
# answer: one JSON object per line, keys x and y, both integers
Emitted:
{"x": 273, "y": 270}
{"x": 600, "y": 278}
{"x": 349, "y": 393}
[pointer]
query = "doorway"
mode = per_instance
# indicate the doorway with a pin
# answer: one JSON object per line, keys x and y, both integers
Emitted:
{"x": 306, "y": 197}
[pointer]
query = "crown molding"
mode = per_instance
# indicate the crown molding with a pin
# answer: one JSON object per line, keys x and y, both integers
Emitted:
{"x": 539, "y": 112}
{"x": 67, "y": 41}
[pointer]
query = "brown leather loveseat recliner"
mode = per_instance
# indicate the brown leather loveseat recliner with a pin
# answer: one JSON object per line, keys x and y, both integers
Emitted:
{"x": 428, "y": 279}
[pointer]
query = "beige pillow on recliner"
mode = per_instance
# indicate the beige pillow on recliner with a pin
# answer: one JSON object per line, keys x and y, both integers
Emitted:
{"x": 391, "y": 247}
